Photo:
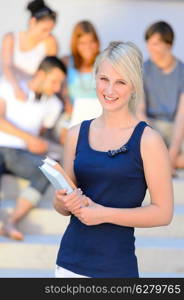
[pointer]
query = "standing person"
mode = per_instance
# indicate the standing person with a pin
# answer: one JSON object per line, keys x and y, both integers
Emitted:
{"x": 21, "y": 147}
{"x": 113, "y": 159}
{"x": 163, "y": 105}
{"x": 22, "y": 52}
{"x": 79, "y": 94}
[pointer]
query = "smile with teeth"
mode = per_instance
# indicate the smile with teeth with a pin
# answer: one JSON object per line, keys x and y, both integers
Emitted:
{"x": 110, "y": 98}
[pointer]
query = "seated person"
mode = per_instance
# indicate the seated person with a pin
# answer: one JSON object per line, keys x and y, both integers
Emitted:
{"x": 22, "y": 52}
{"x": 21, "y": 148}
{"x": 163, "y": 105}
{"x": 79, "y": 94}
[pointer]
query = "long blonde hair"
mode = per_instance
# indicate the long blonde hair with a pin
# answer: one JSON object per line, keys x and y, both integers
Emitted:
{"x": 127, "y": 60}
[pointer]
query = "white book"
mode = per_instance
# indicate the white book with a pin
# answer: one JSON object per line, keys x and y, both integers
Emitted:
{"x": 56, "y": 178}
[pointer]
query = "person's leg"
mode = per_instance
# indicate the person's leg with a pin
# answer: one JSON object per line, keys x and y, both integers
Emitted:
{"x": 24, "y": 164}
{"x": 164, "y": 128}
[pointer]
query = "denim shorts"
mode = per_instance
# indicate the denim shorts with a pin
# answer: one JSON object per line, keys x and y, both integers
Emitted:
{"x": 22, "y": 163}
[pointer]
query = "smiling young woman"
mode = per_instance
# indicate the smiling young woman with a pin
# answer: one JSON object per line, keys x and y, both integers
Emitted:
{"x": 112, "y": 160}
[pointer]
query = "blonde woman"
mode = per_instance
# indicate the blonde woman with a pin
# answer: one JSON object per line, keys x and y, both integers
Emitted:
{"x": 113, "y": 159}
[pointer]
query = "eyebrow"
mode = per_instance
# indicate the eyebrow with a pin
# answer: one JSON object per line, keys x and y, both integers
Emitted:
{"x": 121, "y": 79}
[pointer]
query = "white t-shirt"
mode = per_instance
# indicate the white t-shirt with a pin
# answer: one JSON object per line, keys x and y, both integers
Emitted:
{"x": 30, "y": 115}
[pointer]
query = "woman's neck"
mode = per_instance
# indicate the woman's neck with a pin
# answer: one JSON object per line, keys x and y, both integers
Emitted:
{"x": 114, "y": 120}
{"x": 85, "y": 69}
{"x": 86, "y": 66}
{"x": 29, "y": 38}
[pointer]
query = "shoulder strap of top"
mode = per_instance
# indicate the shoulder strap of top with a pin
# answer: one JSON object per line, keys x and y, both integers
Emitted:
{"x": 135, "y": 139}
{"x": 137, "y": 133}
{"x": 83, "y": 135}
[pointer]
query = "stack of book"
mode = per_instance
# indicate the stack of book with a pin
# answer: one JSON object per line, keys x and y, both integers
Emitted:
{"x": 56, "y": 175}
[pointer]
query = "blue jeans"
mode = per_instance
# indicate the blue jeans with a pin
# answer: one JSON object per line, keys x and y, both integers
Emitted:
{"x": 23, "y": 163}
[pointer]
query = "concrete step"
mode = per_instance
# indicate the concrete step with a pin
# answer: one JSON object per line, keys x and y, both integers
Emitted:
{"x": 35, "y": 252}
{"x": 174, "y": 229}
{"x": 161, "y": 275}
{"x": 34, "y": 273}
{"x": 45, "y": 220}
{"x": 155, "y": 255}
{"x": 160, "y": 255}
{"x": 39, "y": 221}
{"x": 26, "y": 273}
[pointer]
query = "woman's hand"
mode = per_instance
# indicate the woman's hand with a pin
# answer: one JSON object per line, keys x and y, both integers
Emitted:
{"x": 69, "y": 203}
{"x": 90, "y": 215}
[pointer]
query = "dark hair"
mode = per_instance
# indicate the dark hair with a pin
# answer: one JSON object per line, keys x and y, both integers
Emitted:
{"x": 51, "y": 62}
{"x": 79, "y": 30}
{"x": 164, "y": 29}
{"x": 40, "y": 11}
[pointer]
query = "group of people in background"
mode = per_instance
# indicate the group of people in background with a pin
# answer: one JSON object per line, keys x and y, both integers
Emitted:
{"x": 42, "y": 95}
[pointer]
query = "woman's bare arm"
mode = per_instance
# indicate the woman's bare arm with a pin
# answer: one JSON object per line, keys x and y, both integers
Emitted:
{"x": 7, "y": 54}
{"x": 68, "y": 162}
{"x": 51, "y": 46}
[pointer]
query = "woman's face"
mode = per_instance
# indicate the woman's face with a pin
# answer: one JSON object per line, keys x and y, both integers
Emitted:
{"x": 112, "y": 89}
{"x": 41, "y": 29}
{"x": 87, "y": 46}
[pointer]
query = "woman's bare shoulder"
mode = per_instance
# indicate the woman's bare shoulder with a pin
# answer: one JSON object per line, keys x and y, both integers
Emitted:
{"x": 152, "y": 142}
{"x": 73, "y": 134}
{"x": 73, "y": 131}
{"x": 150, "y": 135}
{"x": 51, "y": 45}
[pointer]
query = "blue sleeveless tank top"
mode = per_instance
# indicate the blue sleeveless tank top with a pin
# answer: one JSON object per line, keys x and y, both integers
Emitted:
{"x": 113, "y": 179}
{"x": 80, "y": 85}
